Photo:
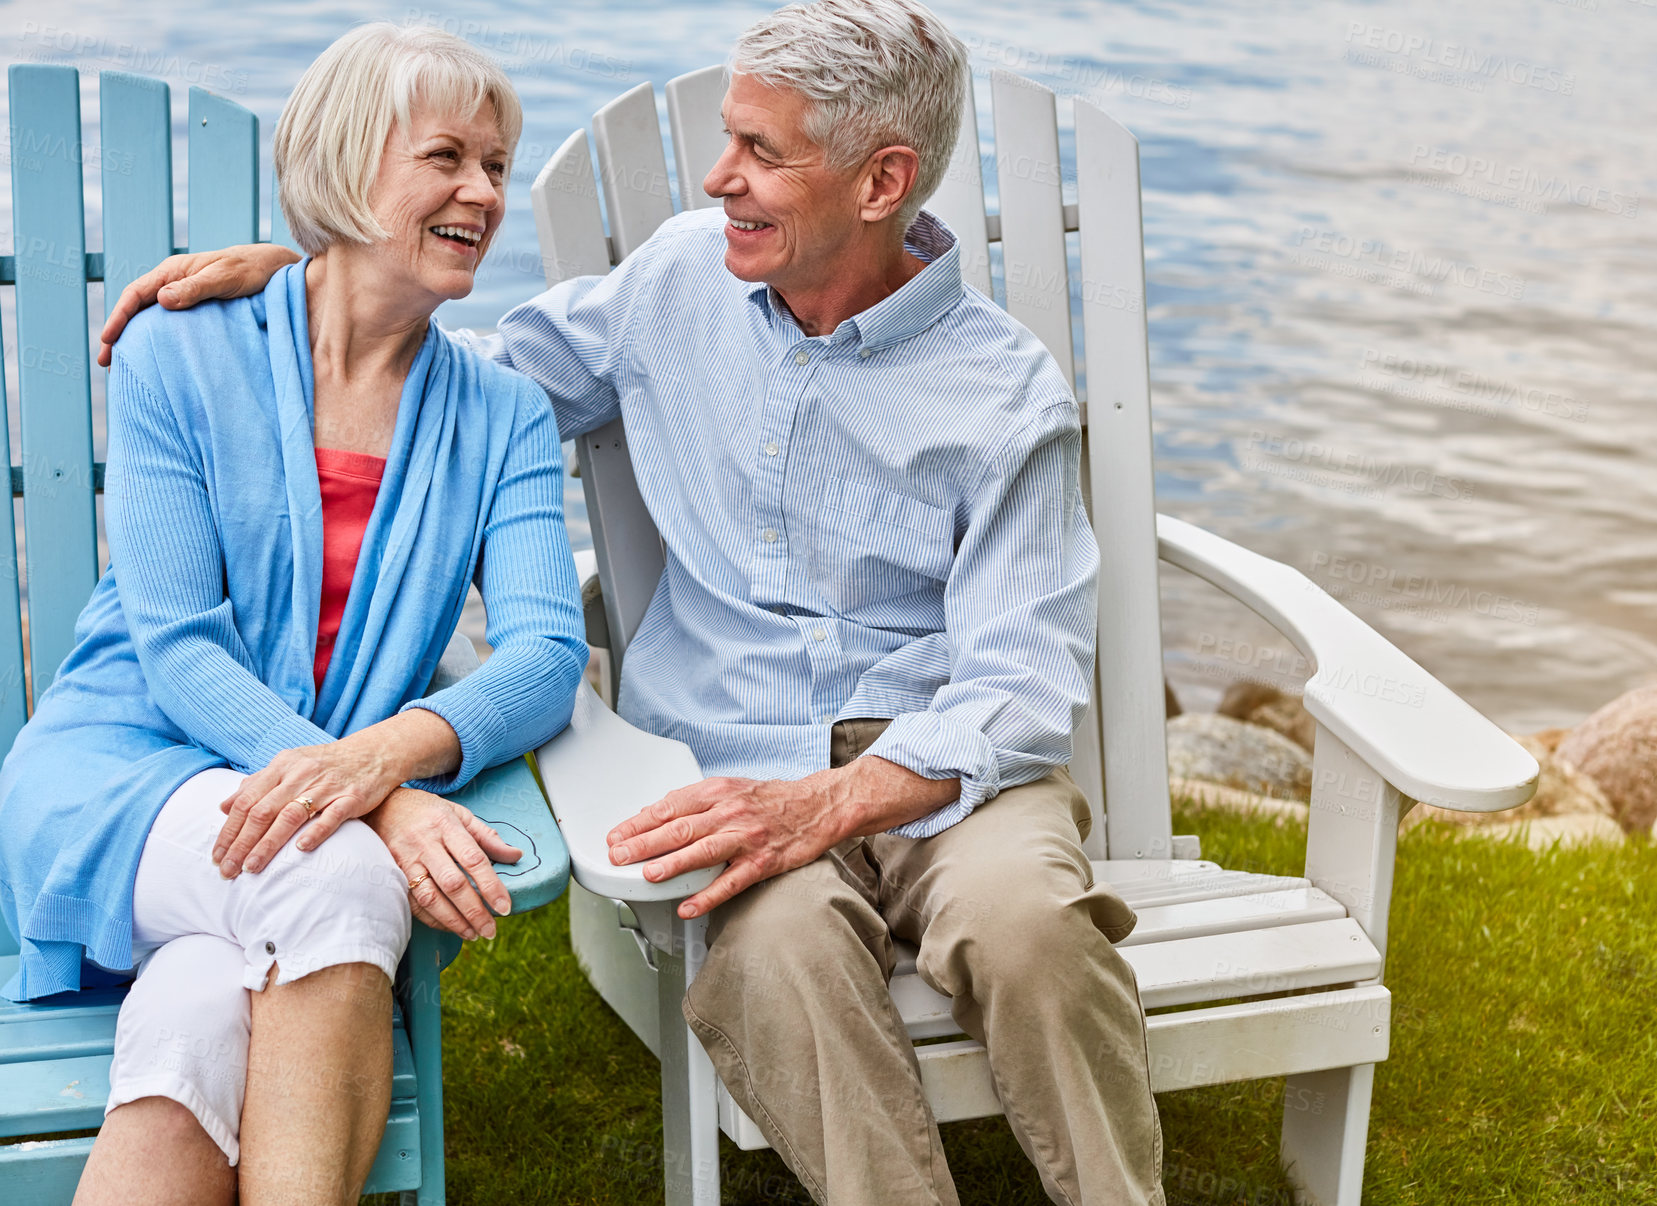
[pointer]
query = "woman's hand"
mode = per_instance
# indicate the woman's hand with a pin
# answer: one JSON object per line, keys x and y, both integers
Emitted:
{"x": 342, "y": 779}
{"x": 445, "y": 850}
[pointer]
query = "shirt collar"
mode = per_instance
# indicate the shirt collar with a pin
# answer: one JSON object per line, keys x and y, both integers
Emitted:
{"x": 919, "y": 303}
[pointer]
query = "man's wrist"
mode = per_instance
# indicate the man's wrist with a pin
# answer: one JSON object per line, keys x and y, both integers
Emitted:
{"x": 872, "y": 794}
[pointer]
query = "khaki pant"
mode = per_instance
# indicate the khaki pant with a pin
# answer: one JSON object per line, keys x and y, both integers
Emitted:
{"x": 793, "y": 1007}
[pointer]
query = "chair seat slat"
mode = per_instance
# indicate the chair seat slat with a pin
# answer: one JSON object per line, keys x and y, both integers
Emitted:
{"x": 1188, "y": 971}
{"x": 45, "y": 1093}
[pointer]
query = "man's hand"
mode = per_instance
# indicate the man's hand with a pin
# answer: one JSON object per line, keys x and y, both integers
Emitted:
{"x": 180, "y": 281}
{"x": 762, "y": 828}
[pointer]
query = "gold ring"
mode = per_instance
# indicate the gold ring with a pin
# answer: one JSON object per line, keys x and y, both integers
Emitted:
{"x": 418, "y": 880}
{"x": 305, "y": 802}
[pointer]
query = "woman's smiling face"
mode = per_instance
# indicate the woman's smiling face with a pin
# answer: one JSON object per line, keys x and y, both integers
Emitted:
{"x": 441, "y": 194}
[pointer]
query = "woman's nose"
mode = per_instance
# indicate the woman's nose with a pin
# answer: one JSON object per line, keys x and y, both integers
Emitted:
{"x": 477, "y": 188}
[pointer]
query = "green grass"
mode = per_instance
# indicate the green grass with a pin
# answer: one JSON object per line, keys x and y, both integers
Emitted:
{"x": 1523, "y": 1068}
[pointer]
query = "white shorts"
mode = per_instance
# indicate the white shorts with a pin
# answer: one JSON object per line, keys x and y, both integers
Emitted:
{"x": 202, "y": 943}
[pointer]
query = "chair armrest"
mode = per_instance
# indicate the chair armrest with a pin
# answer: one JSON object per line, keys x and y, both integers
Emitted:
{"x": 598, "y": 772}
{"x": 1417, "y": 733}
{"x": 508, "y": 798}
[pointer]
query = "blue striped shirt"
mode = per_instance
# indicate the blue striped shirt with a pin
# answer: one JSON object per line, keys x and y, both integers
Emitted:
{"x": 881, "y": 522}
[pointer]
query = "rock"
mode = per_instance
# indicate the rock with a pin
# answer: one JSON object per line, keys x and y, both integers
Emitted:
{"x": 1570, "y": 802}
{"x": 1222, "y": 749}
{"x": 1617, "y": 748}
{"x": 1263, "y": 704}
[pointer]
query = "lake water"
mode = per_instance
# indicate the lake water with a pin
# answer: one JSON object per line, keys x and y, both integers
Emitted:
{"x": 1402, "y": 282}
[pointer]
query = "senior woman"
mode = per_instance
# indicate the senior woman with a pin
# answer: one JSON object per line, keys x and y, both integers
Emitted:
{"x": 302, "y": 484}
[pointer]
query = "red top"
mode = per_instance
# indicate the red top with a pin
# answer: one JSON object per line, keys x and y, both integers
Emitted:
{"x": 350, "y": 482}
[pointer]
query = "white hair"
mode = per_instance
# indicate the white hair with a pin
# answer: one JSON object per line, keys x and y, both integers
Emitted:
{"x": 878, "y": 73}
{"x": 334, "y": 127}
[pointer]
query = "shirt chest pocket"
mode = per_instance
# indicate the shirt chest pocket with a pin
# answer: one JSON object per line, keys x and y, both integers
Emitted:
{"x": 876, "y": 545}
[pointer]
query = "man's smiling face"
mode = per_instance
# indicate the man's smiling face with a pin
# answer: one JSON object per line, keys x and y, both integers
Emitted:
{"x": 788, "y": 213}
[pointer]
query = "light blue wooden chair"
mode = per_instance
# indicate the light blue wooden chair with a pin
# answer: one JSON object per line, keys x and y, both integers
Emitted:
{"x": 54, "y": 1058}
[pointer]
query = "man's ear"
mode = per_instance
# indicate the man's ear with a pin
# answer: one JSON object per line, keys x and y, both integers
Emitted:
{"x": 888, "y": 178}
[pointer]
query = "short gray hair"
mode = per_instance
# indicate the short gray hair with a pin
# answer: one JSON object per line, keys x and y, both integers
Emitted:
{"x": 877, "y": 73}
{"x": 334, "y": 127}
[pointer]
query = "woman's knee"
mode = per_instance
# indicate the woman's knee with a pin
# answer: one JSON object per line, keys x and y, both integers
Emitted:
{"x": 344, "y": 902}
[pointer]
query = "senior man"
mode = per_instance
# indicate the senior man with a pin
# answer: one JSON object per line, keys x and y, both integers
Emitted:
{"x": 875, "y": 626}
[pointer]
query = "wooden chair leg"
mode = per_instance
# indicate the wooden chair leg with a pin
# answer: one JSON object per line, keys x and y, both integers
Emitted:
{"x": 421, "y": 998}
{"x": 690, "y": 1105}
{"x": 1325, "y": 1128}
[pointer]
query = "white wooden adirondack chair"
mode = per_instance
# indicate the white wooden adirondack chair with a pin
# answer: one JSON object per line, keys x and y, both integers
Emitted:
{"x": 1300, "y": 958}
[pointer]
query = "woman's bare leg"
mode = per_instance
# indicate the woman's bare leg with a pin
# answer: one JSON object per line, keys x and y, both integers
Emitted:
{"x": 318, "y": 1086}
{"x": 153, "y": 1152}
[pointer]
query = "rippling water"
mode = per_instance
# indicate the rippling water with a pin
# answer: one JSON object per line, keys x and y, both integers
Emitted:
{"x": 1402, "y": 282}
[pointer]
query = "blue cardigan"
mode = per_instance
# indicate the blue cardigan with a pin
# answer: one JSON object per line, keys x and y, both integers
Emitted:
{"x": 196, "y": 648}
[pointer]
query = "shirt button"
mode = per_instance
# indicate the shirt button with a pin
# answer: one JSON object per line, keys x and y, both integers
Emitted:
{"x": 771, "y": 450}
{"x": 802, "y": 357}
{"x": 781, "y": 611}
{"x": 770, "y": 535}
{"x": 819, "y": 634}
{"x": 864, "y": 354}
{"x": 270, "y": 948}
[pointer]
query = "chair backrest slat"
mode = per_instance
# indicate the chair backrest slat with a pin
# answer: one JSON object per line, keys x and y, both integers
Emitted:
{"x": 693, "y": 101}
{"x": 14, "y": 700}
{"x": 564, "y": 199}
{"x": 633, "y": 168}
{"x": 567, "y": 219}
{"x": 959, "y": 200}
{"x": 54, "y": 370}
{"x": 1120, "y": 464}
{"x": 135, "y": 125}
{"x": 1034, "y": 267}
{"x": 224, "y": 172}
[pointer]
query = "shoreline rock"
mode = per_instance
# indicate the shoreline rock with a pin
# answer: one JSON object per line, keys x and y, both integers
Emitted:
{"x": 1616, "y": 747}
{"x": 1598, "y": 780}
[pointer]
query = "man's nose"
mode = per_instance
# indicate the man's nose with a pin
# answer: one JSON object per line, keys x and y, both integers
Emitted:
{"x": 722, "y": 179}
